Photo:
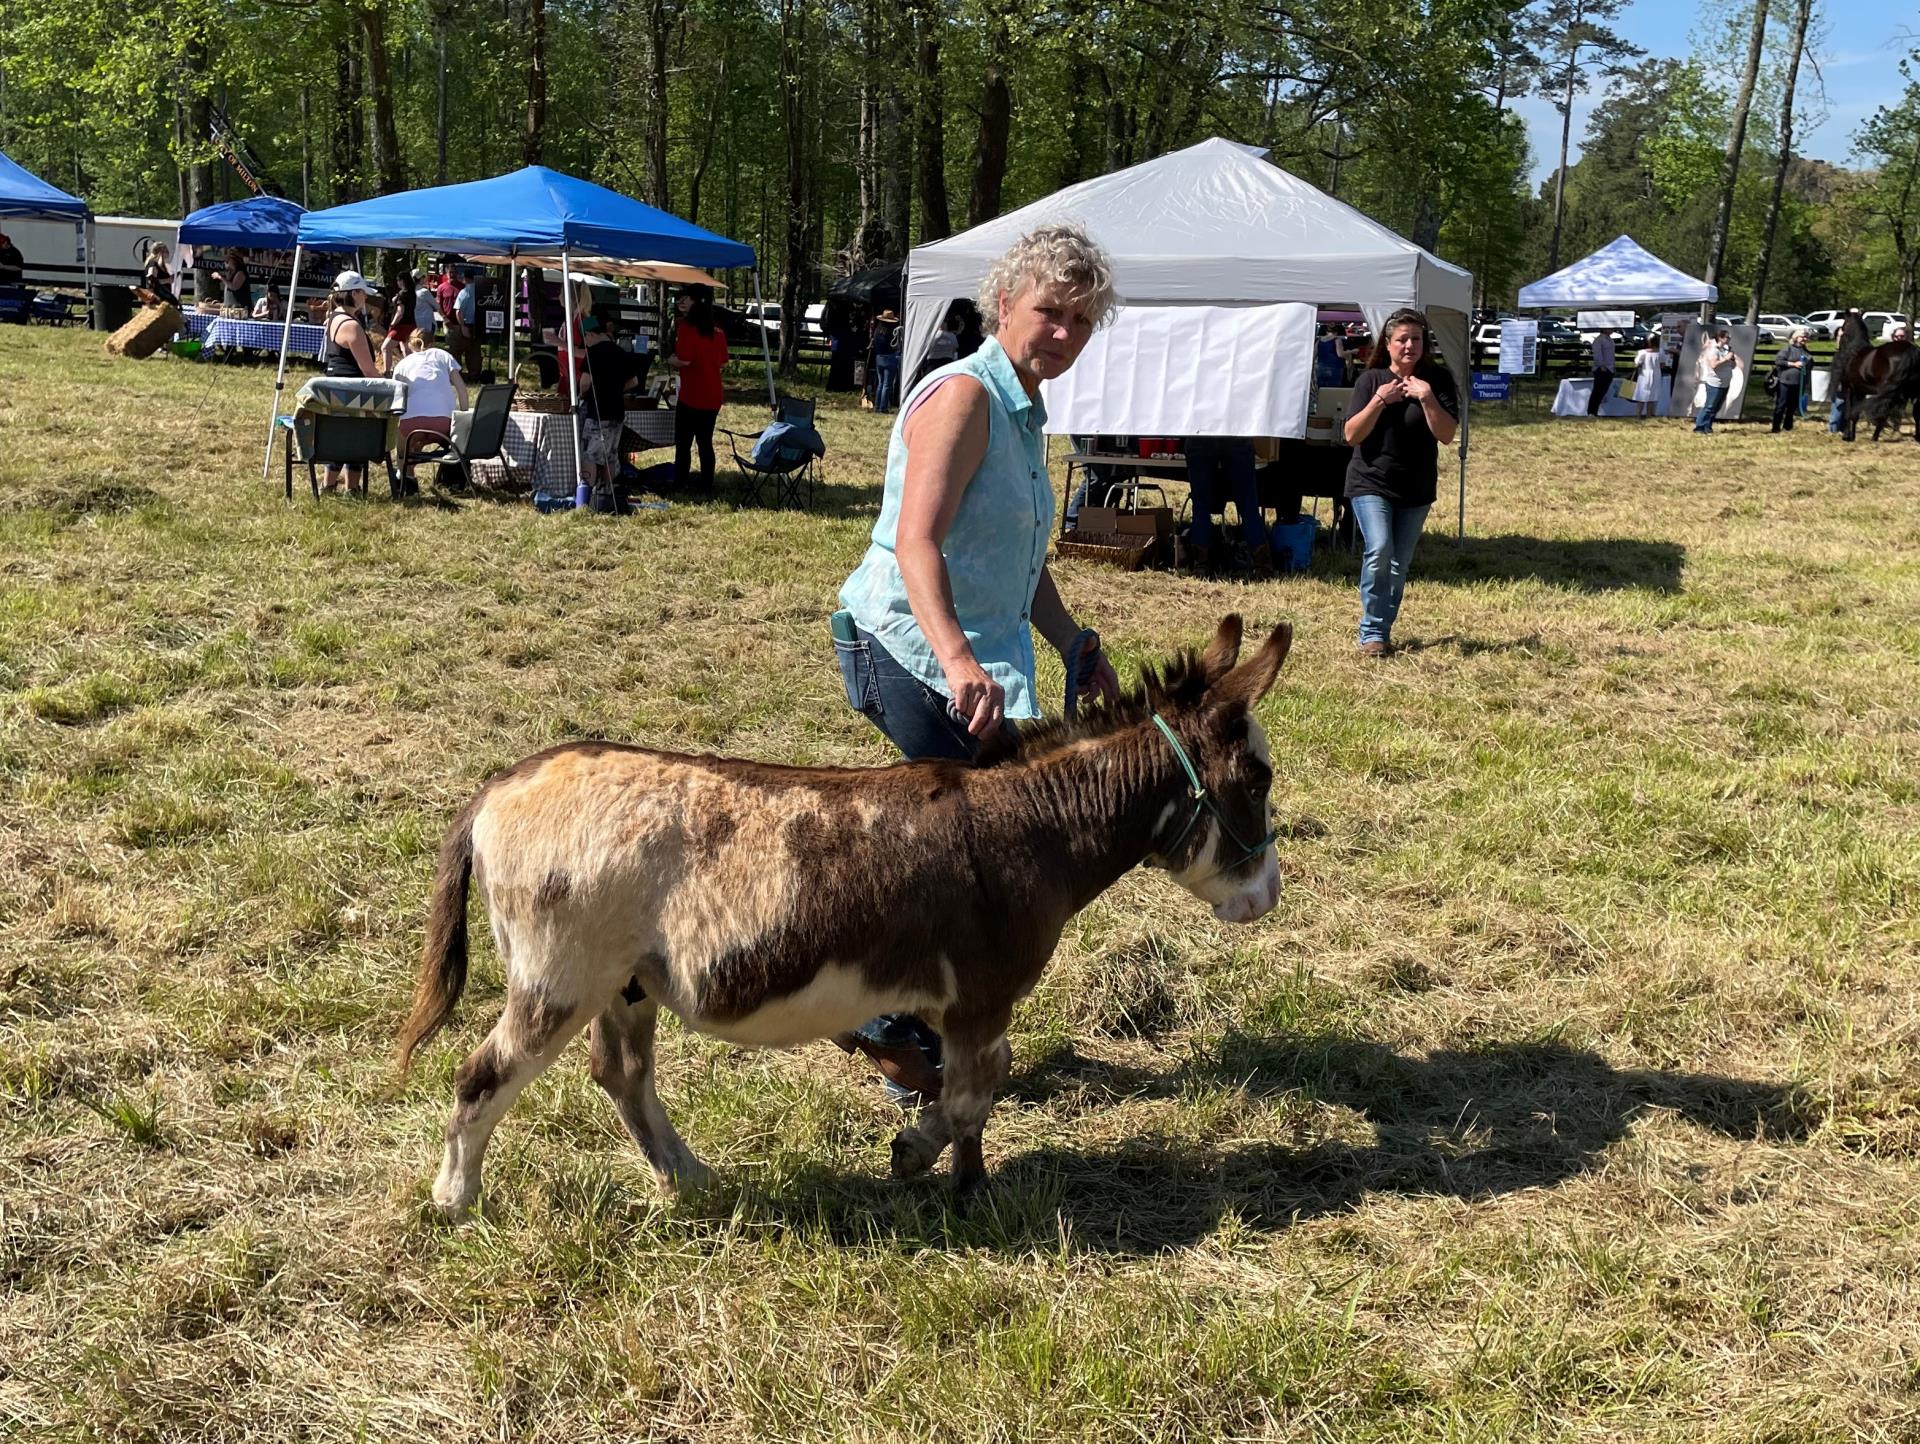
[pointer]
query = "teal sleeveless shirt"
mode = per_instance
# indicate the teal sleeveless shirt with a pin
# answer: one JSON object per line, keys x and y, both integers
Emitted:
{"x": 994, "y": 550}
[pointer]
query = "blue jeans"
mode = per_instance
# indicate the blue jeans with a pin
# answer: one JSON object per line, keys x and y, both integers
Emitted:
{"x": 1836, "y": 412}
{"x": 1221, "y": 469}
{"x": 886, "y": 383}
{"x": 1710, "y": 408}
{"x": 1388, "y": 535}
{"x": 913, "y": 717}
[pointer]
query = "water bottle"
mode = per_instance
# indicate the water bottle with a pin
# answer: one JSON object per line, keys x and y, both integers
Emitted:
{"x": 582, "y": 494}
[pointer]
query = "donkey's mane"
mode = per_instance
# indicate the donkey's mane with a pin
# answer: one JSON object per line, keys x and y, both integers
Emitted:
{"x": 1180, "y": 682}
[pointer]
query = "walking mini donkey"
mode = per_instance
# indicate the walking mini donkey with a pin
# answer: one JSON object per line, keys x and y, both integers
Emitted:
{"x": 775, "y": 905}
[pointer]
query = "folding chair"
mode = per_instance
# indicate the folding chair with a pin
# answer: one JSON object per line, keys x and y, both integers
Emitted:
{"x": 477, "y": 435}
{"x": 345, "y": 421}
{"x": 791, "y": 471}
{"x": 57, "y": 308}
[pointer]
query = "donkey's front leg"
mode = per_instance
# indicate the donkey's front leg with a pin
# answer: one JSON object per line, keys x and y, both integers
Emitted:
{"x": 621, "y": 1059}
{"x": 974, "y": 1070}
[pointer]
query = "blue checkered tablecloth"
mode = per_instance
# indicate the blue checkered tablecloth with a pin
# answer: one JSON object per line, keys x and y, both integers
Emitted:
{"x": 540, "y": 445}
{"x": 223, "y": 334}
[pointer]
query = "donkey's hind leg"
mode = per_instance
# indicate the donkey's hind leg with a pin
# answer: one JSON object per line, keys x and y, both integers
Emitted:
{"x": 621, "y": 1053}
{"x": 526, "y": 1040}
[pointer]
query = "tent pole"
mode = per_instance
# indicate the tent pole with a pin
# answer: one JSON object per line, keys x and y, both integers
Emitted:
{"x": 760, "y": 309}
{"x": 280, "y": 372}
{"x": 573, "y": 369}
{"x": 513, "y": 304}
{"x": 1460, "y": 530}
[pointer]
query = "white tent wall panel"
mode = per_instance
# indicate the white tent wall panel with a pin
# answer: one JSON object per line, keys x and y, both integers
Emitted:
{"x": 1190, "y": 371}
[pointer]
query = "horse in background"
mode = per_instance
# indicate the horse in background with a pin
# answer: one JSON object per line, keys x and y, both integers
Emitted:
{"x": 1899, "y": 390}
{"x": 1865, "y": 376}
{"x": 770, "y": 905}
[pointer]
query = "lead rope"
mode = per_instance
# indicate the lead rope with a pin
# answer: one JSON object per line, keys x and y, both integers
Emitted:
{"x": 1081, "y": 660}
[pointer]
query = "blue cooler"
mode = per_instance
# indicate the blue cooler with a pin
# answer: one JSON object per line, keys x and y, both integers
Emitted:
{"x": 1292, "y": 543}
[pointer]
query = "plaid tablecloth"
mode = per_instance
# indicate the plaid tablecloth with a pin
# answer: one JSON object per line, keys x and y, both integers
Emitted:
{"x": 218, "y": 332}
{"x": 540, "y": 446}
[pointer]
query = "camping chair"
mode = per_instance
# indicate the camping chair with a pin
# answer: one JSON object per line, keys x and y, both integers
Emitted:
{"x": 478, "y": 435}
{"x": 16, "y": 304}
{"x": 57, "y": 308}
{"x": 345, "y": 421}
{"x": 791, "y": 470}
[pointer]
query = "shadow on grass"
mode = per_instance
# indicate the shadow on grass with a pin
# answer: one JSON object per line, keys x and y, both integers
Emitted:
{"x": 1597, "y": 564}
{"x": 1471, "y": 1125}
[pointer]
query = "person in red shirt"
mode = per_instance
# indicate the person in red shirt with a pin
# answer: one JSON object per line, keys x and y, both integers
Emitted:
{"x": 699, "y": 351}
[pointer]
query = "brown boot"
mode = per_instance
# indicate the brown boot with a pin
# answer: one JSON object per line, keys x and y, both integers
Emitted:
{"x": 900, "y": 1063}
{"x": 1375, "y": 649}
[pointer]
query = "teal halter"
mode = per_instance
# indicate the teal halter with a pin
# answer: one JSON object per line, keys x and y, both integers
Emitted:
{"x": 1203, "y": 802}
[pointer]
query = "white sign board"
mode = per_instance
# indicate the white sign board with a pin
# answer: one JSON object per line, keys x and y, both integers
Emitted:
{"x": 1519, "y": 347}
{"x": 1603, "y": 320}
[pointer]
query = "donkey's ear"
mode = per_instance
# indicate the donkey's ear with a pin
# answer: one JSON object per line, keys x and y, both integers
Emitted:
{"x": 1222, "y": 651}
{"x": 1253, "y": 678}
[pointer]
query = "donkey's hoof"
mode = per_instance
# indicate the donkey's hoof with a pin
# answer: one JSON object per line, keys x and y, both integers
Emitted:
{"x": 913, "y": 1153}
{"x": 690, "y": 1178}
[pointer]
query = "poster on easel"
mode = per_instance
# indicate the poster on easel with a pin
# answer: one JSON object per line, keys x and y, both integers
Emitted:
{"x": 1690, "y": 391}
{"x": 1519, "y": 347}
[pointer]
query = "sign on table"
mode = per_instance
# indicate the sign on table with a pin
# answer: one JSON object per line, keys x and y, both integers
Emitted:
{"x": 1603, "y": 320}
{"x": 1519, "y": 347}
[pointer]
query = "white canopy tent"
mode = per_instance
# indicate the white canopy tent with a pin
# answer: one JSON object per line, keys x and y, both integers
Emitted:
{"x": 1220, "y": 259}
{"x": 1620, "y": 273}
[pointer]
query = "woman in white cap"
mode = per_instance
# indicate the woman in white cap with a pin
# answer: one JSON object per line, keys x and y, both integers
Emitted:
{"x": 347, "y": 352}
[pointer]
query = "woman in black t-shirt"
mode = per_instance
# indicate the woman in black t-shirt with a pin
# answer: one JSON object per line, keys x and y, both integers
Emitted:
{"x": 1404, "y": 408}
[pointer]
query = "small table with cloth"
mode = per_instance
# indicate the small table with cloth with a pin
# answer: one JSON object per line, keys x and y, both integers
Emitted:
{"x": 222, "y": 333}
{"x": 540, "y": 446}
{"x": 1576, "y": 392}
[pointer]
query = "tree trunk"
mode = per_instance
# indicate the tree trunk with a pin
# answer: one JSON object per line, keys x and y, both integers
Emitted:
{"x": 1736, "y": 139}
{"x": 440, "y": 94}
{"x": 199, "y": 126}
{"x": 657, "y": 38}
{"x": 386, "y": 137}
{"x": 1802, "y": 17}
{"x": 346, "y": 122}
{"x": 1566, "y": 135}
{"x": 1074, "y": 161}
{"x": 793, "y": 115}
{"x": 996, "y": 119}
{"x": 930, "y": 112}
{"x": 715, "y": 103}
{"x": 894, "y": 138}
{"x": 533, "y": 143}
{"x": 306, "y": 147}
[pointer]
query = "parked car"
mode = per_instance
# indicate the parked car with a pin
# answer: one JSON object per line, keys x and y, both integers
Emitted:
{"x": 1829, "y": 320}
{"x": 767, "y": 314}
{"x": 1761, "y": 332}
{"x": 1784, "y": 323}
{"x": 1880, "y": 324}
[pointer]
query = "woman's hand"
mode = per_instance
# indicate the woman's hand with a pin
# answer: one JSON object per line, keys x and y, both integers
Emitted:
{"x": 1390, "y": 392}
{"x": 1416, "y": 389}
{"x": 1103, "y": 682}
{"x": 978, "y": 699}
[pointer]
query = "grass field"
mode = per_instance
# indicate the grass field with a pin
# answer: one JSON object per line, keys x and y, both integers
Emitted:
{"x": 1572, "y": 1092}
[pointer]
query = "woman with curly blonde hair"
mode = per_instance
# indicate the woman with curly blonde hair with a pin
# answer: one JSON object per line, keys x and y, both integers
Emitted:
{"x": 935, "y": 637}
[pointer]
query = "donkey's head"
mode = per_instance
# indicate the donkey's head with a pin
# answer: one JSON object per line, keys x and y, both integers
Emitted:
{"x": 1217, "y": 839}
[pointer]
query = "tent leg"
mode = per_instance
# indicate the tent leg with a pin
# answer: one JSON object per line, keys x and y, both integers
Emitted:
{"x": 280, "y": 372}
{"x": 513, "y": 306}
{"x": 772, "y": 400}
{"x": 1460, "y": 530}
{"x": 573, "y": 368}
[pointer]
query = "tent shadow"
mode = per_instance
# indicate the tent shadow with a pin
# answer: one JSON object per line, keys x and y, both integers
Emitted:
{"x": 1472, "y": 1124}
{"x": 1596, "y": 564}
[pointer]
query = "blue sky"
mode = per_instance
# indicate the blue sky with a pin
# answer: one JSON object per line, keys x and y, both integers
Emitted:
{"x": 1858, "y": 62}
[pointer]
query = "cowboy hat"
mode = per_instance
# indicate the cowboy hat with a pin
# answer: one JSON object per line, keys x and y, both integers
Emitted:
{"x": 888, "y": 315}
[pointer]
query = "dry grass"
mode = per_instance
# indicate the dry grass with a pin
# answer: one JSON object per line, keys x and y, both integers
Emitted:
{"x": 1571, "y": 1092}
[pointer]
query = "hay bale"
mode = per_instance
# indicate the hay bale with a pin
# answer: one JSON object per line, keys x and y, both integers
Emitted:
{"x": 150, "y": 329}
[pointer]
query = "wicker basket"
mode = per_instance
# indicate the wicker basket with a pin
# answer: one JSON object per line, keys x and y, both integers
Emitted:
{"x": 1119, "y": 549}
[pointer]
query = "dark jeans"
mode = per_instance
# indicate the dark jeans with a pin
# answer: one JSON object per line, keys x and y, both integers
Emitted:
{"x": 1786, "y": 406}
{"x": 690, "y": 424}
{"x": 1602, "y": 384}
{"x": 1221, "y": 469}
{"x": 914, "y": 718}
{"x": 886, "y": 380}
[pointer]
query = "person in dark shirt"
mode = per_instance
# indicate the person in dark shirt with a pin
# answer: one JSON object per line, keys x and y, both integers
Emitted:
{"x": 236, "y": 284}
{"x": 13, "y": 265}
{"x": 157, "y": 276}
{"x": 603, "y": 410}
{"x": 1404, "y": 408}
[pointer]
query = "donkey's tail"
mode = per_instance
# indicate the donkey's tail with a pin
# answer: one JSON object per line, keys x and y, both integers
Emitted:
{"x": 443, "y": 960}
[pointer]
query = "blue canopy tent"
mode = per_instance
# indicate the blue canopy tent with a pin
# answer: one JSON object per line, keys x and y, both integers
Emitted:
{"x": 530, "y": 214}
{"x": 24, "y": 194}
{"x": 258, "y": 223}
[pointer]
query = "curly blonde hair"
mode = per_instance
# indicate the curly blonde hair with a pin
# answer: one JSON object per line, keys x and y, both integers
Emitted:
{"x": 1052, "y": 255}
